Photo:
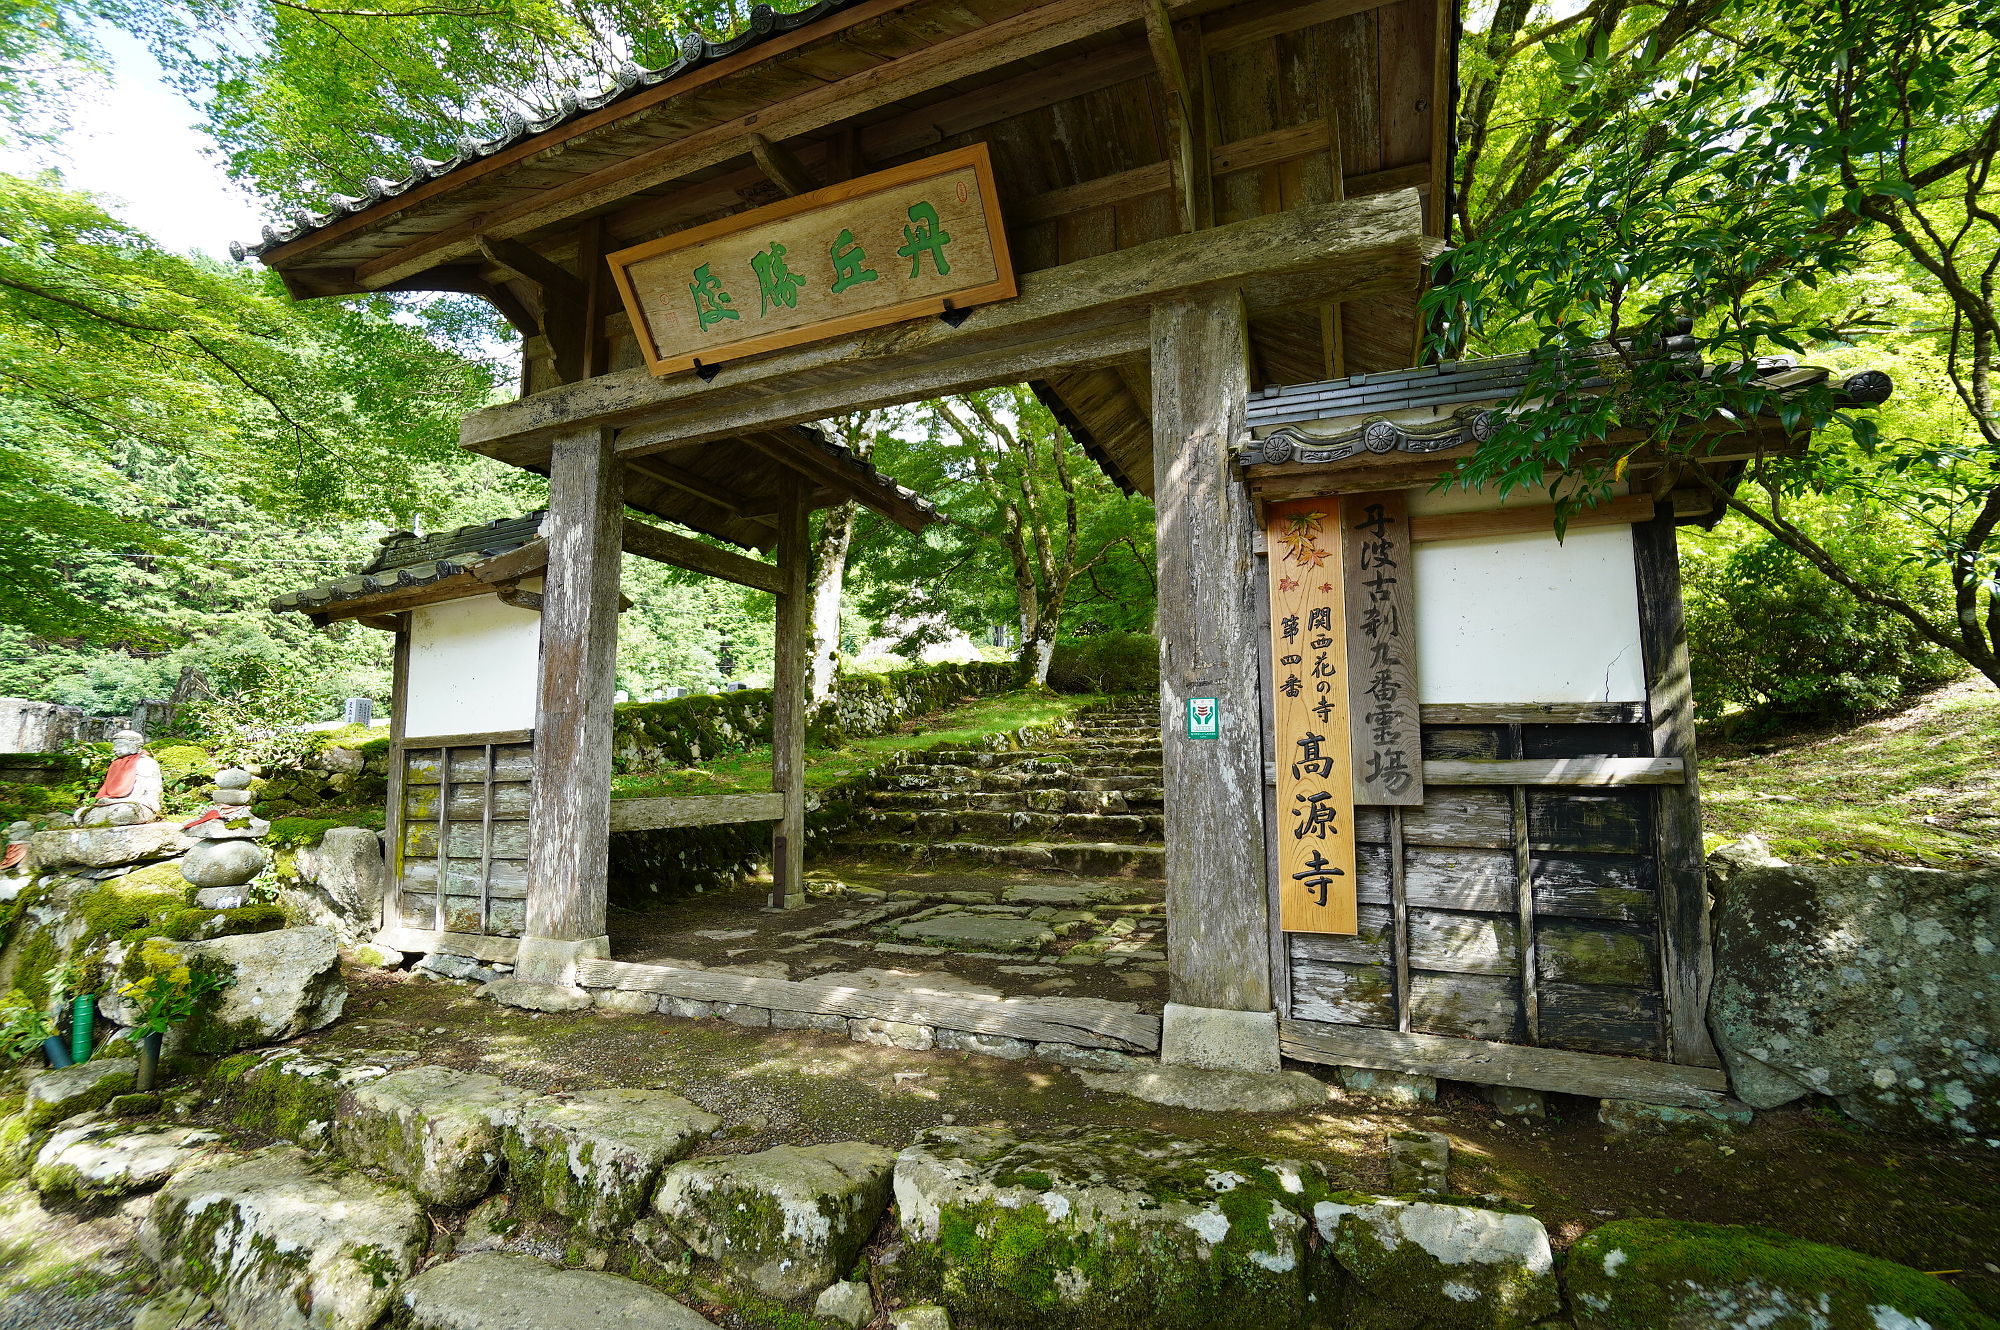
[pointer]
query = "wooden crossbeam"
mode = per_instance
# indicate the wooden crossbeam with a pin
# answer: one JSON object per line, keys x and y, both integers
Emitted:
{"x": 694, "y": 810}
{"x": 1556, "y": 771}
{"x": 1488, "y": 1063}
{"x": 650, "y": 542}
{"x": 1091, "y": 312}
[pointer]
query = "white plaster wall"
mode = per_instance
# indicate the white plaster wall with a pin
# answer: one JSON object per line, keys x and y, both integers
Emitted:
{"x": 472, "y": 668}
{"x": 1526, "y": 618}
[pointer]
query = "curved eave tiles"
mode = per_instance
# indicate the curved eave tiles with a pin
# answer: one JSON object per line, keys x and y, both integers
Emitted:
{"x": 695, "y": 51}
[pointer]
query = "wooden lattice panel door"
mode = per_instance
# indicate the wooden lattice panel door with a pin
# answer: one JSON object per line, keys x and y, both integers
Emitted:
{"x": 462, "y": 832}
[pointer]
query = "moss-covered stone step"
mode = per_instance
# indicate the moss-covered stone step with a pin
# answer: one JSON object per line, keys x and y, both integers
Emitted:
{"x": 500, "y": 1290}
{"x": 1105, "y": 860}
{"x": 785, "y": 1222}
{"x": 1127, "y": 827}
{"x": 1056, "y": 799}
{"x": 1636, "y": 1274}
{"x": 283, "y": 1240}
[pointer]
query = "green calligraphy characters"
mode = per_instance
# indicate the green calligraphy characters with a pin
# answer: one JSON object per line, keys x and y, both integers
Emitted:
{"x": 711, "y": 302}
{"x": 850, "y": 262}
{"x": 777, "y": 284}
{"x": 925, "y": 235}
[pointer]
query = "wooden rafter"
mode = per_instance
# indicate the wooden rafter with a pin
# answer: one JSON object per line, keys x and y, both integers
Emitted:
{"x": 650, "y": 542}
{"x": 780, "y": 167}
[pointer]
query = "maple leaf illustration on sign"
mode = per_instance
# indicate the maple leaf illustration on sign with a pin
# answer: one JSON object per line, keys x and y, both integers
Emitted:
{"x": 1300, "y": 529}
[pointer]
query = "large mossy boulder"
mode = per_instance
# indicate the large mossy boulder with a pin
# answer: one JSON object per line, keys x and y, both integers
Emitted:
{"x": 1436, "y": 1265}
{"x": 784, "y": 1222}
{"x": 62, "y": 1092}
{"x": 283, "y": 984}
{"x": 1110, "y": 1228}
{"x": 436, "y": 1129}
{"x": 1663, "y": 1274}
{"x": 281, "y": 1240}
{"x": 596, "y": 1157}
{"x": 93, "y": 1158}
{"x": 492, "y": 1291}
{"x": 1877, "y": 986}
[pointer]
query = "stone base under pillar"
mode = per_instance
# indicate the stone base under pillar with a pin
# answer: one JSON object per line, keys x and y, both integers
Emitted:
{"x": 1219, "y": 1039}
{"x": 547, "y": 960}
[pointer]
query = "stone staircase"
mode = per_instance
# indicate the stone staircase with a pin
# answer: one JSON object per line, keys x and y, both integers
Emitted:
{"x": 1086, "y": 802}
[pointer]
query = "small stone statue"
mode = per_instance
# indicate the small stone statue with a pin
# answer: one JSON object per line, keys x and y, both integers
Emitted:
{"x": 133, "y": 789}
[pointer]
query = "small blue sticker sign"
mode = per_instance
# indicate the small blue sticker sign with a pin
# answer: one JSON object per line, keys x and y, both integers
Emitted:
{"x": 1204, "y": 718}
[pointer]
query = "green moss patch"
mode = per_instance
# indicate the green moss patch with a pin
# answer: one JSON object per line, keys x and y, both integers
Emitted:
{"x": 1641, "y": 1274}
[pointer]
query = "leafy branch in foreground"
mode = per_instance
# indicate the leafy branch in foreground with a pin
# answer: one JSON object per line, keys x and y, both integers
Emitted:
{"x": 1752, "y": 194}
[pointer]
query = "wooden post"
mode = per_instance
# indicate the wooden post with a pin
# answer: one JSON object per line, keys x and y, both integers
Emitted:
{"x": 1218, "y": 912}
{"x": 788, "y": 693}
{"x": 570, "y": 841}
{"x": 1683, "y": 887}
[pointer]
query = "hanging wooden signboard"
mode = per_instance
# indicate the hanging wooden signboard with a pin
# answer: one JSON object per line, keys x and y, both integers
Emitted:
{"x": 1312, "y": 709}
{"x": 911, "y": 241}
{"x": 1381, "y": 649}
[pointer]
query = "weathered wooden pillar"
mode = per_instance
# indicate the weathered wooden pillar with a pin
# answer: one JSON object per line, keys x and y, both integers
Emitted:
{"x": 1220, "y": 1012}
{"x": 1683, "y": 873}
{"x": 788, "y": 693}
{"x": 569, "y": 846}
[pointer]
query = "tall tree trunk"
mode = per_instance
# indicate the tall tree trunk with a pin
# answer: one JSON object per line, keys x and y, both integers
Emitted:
{"x": 829, "y": 578}
{"x": 829, "y": 566}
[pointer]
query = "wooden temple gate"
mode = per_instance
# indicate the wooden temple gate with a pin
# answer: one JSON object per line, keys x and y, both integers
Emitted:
{"x": 1184, "y": 207}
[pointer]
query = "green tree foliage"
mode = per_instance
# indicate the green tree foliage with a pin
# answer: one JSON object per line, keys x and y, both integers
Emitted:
{"x": 1795, "y": 179}
{"x": 1037, "y": 536}
{"x": 309, "y": 99}
{"x": 154, "y": 399}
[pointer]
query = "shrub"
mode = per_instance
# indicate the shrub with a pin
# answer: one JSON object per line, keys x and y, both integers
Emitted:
{"x": 1772, "y": 635}
{"x": 1106, "y": 663}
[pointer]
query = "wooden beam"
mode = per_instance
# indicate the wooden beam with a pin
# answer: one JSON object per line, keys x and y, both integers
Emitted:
{"x": 1014, "y": 1018}
{"x": 1187, "y": 153}
{"x": 694, "y": 810}
{"x": 780, "y": 167}
{"x": 801, "y": 458}
{"x": 1687, "y": 963}
{"x": 1533, "y": 713}
{"x": 1415, "y": 176}
{"x": 789, "y": 672}
{"x": 688, "y": 482}
{"x": 568, "y": 845}
{"x": 1021, "y": 36}
{"x": 1274, "y": 18}
{"x": 531, "y": 558}
{"x": 1217, "y": 907}
{"x": 1556, "y": 771}
{"x": 1621, "y": 511}
{"x": 1281, "y": 145}
{"x": 650, "y": 542}
{"x": 530, "y": 266}
{"x": 431, "y": 940}
{"x": 1078, "y": 312}
{"x": 1485, "y": 1063}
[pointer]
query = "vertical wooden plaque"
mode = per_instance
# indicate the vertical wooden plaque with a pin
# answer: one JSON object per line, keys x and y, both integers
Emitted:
{"x": 1312, "y": 743}
{"x": 1381, "y": 649}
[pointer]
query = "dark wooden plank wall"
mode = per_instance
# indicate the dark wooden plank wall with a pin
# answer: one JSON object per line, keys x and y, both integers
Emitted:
{"x": 485, "y": 789}
{"x": 1575, "y": 868}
